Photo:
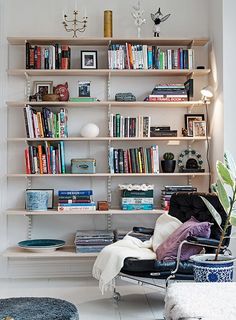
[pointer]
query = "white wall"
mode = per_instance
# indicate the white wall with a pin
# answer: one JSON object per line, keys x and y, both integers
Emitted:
{"x": 189, "y": 18}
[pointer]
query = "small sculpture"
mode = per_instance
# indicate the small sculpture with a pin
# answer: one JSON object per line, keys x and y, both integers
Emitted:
{"x": 137, "y": 15}
{"x": 157, "y": 18}
{"x": 62, "y": 91}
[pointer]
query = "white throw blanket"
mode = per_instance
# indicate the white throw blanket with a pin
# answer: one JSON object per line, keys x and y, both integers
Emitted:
{"x": 111, "y": 259}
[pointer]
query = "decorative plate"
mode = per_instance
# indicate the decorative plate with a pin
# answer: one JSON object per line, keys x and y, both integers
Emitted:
{"x": 41, "y": 245}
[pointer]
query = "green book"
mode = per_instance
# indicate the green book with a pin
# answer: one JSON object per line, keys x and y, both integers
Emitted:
{"x": 83, "y": 99}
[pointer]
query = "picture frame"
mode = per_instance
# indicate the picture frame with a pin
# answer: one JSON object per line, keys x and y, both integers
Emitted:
{"x": 189, "y": 118}
{"x": 84, "y": 88}
{"x": 89, "y": 59}
{"x": 50, "y": 198}
{"x": 199, "y": 128}
{"x": 43, "y": 87}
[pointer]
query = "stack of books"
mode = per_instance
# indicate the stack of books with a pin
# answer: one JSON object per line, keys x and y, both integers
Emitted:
{"x": 120, "y": 234}
{"x": 168, "y": 93}
{"x": 45, "y": 159}
{"x": 130, "y": 56}
{"x": 168, "y": 191}
{"x": 52, "y": 57}
{"x": 134, "y": 160}
{"x": 80, "y": 200}
{"x": 120, "y": 126}
{"x": 45, "y": 124}
{"x": 137, "y": 198}
{"x": 91, "y": 241}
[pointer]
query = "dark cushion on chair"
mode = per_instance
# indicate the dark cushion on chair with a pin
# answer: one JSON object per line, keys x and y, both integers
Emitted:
{"x": 141, "y": 265}
{"x": 185, "y": 205}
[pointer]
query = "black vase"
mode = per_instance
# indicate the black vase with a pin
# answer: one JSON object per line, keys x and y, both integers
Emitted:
{"x": 168, "y": 166}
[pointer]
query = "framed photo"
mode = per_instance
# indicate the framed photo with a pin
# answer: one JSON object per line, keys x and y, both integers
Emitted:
{"x": 189, "y": 118}
{"x": 43, "y": 87}
{"x": 89, "y": 60}
{"x": 84, "y": 88}
{"x": 199, "y": 128}
{"x": 50, "y": 196}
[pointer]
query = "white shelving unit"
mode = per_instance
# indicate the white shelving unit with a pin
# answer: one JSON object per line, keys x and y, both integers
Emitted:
{"x": 69, "y": 252}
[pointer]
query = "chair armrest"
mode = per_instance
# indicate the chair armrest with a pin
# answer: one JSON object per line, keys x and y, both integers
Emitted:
{"x": 143, "y": 230}
{"x": 203, "y": 241}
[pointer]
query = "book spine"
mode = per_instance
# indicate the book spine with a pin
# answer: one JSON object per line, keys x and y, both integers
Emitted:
{"x": 64, "y": 208}
{"x": 62, "y": 154}
{"x": 40, "y": 159}
{"x": 75, "y": 193}
{"x": 137, "y": 207}
{"x": 75, "y": 197}
{"x": 79, "y": 204}
{"x": 26, "y": 123}
{"x": 73, "y": 201}
{"x": 27, "y": 162}
{"x": 137, "y": 200}
{"x": 27, "y": 55}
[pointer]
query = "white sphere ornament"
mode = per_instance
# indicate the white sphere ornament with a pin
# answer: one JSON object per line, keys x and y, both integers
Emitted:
{"x": 90, "y": 130}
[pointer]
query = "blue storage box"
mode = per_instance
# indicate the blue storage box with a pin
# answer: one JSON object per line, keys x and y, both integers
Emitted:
{"x": 83, "y": 166}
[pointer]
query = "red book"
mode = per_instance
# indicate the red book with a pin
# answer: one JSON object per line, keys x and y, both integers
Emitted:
{"x": 27, "y": 162}
{"x": 38, "y": 62}
{"x": 64, "y": 57}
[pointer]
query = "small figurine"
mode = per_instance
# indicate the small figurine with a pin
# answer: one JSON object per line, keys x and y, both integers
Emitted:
{"x": 157, "y": 18}
{"x": 137, "y": 15}
{"x": 184, "y": 132}
{"x": 62, "y": 91}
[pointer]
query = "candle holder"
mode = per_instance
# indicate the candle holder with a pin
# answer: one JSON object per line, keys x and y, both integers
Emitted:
{"x": 76, "y": 24}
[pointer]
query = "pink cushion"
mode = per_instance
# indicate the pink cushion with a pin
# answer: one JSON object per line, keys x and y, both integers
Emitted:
{"x": 168, "y": 249}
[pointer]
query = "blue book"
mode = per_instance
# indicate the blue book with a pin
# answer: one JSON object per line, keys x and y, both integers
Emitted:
{"x": 137, "y": 207}
{"x": 149, "y": 57}
{"x": 75, "y": 193}
{"x": 81, "y": 204}
{"x": 62, "y": 153}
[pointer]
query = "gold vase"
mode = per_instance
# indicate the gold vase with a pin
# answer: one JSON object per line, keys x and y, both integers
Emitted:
{"x": 108, "y": 24}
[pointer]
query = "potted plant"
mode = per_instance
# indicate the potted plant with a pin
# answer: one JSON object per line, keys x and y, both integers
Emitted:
{"x": 218, "y": 267}
{"x": 168, "y": 164}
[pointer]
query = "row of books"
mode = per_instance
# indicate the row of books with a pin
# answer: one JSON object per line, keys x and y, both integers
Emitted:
{"x": 137, "y": 199}
{"x": 130, "y": 56}
{"x": 169, "y": 92}
{"x": 79, "y": 200}
{"x": 168, "y": 191}
{"x": 134, "y": 160}
{"x": 45, "y": 123}
{"x": 120, "y": 126}
{"x": 52, "y": 57}
{"x": 45, "y": 159}
{"x": 90, "y": 241}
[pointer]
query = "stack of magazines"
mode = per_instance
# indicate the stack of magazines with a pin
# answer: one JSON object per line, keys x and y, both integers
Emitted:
{"x": 90, "y": 241}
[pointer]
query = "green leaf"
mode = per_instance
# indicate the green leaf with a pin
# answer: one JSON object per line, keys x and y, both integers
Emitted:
{"x": 233, "y": 220}
{"x": 215, "y": 214}
{"x": 213, "y": 187}
{"x": 222, "y": 194}
{"x": 230, "y": 163}
{"x": 224, "y": 174}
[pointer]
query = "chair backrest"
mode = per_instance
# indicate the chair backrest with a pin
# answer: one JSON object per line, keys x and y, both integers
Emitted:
{"x": 185, "y": 205}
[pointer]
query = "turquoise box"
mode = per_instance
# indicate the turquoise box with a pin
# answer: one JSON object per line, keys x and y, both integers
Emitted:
{"x": 83, "y": 166}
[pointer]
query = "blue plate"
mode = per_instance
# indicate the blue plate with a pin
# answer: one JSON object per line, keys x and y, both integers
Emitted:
{"x": 39, "y": 245}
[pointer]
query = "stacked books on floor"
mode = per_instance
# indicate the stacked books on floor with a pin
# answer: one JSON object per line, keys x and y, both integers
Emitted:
{"x": 45, "y": 123}
{"x": 169, "y": 92}
{"x": 52, "y": 57}
{"x": 120, "y": 126}
{"x": 168, "y": 191}
{"x": 91, "y": 241}
{"x": 134, "y": 160}
{"x": 136, "y": 197}
{"x": 130, "y": 56}
{"x": 45, "y": 159}
{"x": 78, "y": 200}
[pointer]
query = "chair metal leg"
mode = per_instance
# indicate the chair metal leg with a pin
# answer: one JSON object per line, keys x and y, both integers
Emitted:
{"x": 116, "y": 294}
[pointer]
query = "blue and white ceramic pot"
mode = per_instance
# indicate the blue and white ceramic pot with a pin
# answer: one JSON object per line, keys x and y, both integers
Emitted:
{"x": 205, "y": 269}
{"x": 36, "y": 200}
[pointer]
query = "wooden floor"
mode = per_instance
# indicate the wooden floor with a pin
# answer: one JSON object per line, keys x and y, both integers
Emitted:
{"x": 136, "y": 302}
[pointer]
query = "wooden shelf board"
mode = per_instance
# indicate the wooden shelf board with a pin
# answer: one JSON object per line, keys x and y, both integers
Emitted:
{"x": 179, "y": 104}
{"x": 82, "y": 41}
{"x": 109, "y": 139}
{"x": 68, "y": 175}
{"x": 23, "y": 212}
{"x": 64, "y": 252}
{"x": 106, "y": 72}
